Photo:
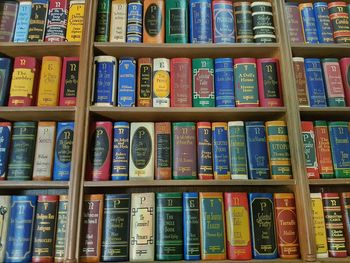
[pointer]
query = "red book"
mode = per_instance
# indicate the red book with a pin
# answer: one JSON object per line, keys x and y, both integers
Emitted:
{"x": 69, "y": 81}
{"x": 286, "y": 225}
{"x": 345, "y": 205}
{"x": 100, "y": 153}
{"x": 57, "y": 21}
{"x": 181, "y": 82}
{"x": 310, "y": 150}
{"x": 237, "y": 226}
{"x": 345, "y": 72}
{"x": 163, "y": 151}
{"x": 269, "y": 82}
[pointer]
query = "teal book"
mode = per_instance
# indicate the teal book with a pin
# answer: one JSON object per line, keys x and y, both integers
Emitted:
{"x": 203, "y": 82}
{"x": 176, "y": 23}
{"x": 102, "y": 20}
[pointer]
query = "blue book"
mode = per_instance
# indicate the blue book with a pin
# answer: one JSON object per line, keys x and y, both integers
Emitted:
{"x": 5, "y": 139}
{"x": 224, "y": 88}
{"x": 315, "y": 83}
{"x": 22, "y": 22}
{"x": 191, "y": 226}
{"x": 262, "y": 223}
{"x": 120, "y": 160}
{"x": 20, "y": 233}
{"x": 134, "y": 24}
{"x": 258, "y": 159}
{"x": 127, "y": 82}
{"x": 201, "y": 29}
{"x": 63, "y": 151}
{"x": 221, "y": 165}
{"x": 223, "y": 22}
{"x": 5, "y": 79}
{"x": 323, "y": 23}
{"x": 309, "y": 23}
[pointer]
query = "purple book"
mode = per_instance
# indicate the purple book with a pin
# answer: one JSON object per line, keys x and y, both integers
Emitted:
{"x": 8, "y": 13}
{"x": 294, "y": 23}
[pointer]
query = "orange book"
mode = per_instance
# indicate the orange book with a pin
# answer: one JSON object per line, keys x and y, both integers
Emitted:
{"x": 153, "y": 17}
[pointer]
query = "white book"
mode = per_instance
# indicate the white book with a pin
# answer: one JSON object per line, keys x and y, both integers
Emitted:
{"x": 5, "y": 206}
{"x": 117, "y": 32}
{"x": 161, "y": 82}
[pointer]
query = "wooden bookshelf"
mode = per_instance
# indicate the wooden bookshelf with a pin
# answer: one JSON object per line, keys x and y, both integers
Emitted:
{"x": 327, "y": 113}
{"x": 320, "y": 50}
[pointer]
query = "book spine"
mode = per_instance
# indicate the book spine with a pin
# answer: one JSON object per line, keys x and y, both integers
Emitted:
{"x": 120, "y": 161}
{"x": 224, "y": 88}
{"x": 345, "y": 206}
{"x": 22, "y": 22}
{"x": 8, "y": 20}
{"x": 119, "y": 12}
{"x": 257, "y": 154}
{"x": 61, "y": 228}
{"x": 239, "y": 245}
{"x": 204, "y": 151}
{"x": 263, "y": 26}
{"x": 102, "y": 20}
{"x": 300, "y": 81}
{"x": 345, "y": 72}
{"x": 181, "y": 82}
{"x": 340, "y": 21}
{"x": 44, "y": 151}
{"x": 161, "y": 82}
{"x": 176, "y": 24}
{"x": 221, "y": 161}
{"x": 141, "y": 165}
{"x": 38, "y": 18}
{"x": 69, "y": 81}
{"x": 5, "y": 206}
{"x": 309, "y": 23}
{"x": 201, "y": 29}
{"x": 5, "y": 79}
{"x": 243, "y": 22}
{"x": 63, "y": 151}
{"x": 223, "y": 21}
{"x": 22, "y": 151}
{"x": 134, "y": 25}
{"x": 323, "y": 23}
{"x": 5, "y": 136}
{"x": 144, "y": 83}
{"x": 203, "y": 82}
{"x": 163, "y": 151}
{"x": 75, "y": 20}
{"x": 315, "y": 82}
{"x": 142, "y": 227}
{"x": 246, "y": 83}
{"x": 293, "y": 20}
{"x": 154, "y": 19}
{"x": 310, "y": 149}
{"x": 169, "y": 233}
{"x": 57, "y": 21}
{"x": 45, "y": 228}
{"x": 116, "y": 227}
{"x": 127, "y": 82}
{"x": 237, "y": 149}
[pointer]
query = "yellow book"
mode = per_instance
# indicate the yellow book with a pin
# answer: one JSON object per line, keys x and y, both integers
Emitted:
{"x": 49, "y": 84}
{"x": 75, "y": 20}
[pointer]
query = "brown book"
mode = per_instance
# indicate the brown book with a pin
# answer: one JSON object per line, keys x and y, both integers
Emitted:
{"x": 163, "y": 151}
{"x": 300, "y": 81}
{"x": 144, "y": 82}
{"x": 153, "y": 17}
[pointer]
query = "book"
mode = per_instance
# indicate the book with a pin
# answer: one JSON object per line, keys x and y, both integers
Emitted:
{"x": 191, "y": 228}
{"x": 309, "y": 23}
{"x": 239, "y": 245}
{"x": 308, "y": 135}
{"x": 237, "y": 150}
{"x": 144, "y": 82}
{"x": 116, "y": 227}
{"x": 69, "y": 81}
{"x": 263, "y": 26}
{"x": 141, "y": 164}
{"x": 20, "y": 167}
{"x": 340, "y": 21}
{"x": 120, "y": 155}
{"x": 243, "y": 22}
{"x": 75, "y": 21}
{"x": 117, "y": 30}
{"x": 127, "y": 82}
{"x": 204, "y": 151}
{"x": 181, "y": 82}
{"x": 262, "y": 225}
{"x": 63, "y": 151}
{"x": 286, "y": 225}
{"x": 257, "y": 154}
{"x": 176, "y": 21}
{"x": 103, "y": 20}
{"x": 203, "y": 82}
{"x": 300, "y": 81}
{"x": 5, "y": 79}
{"x": 293, "y": 20}
{"x": 223, "y": 22}
{"x": 315, "y": 83}
{"x": 201, "y": 28}
{"x": 345, "y": 73}
{"x": 61, "y": 228}
{"x": 345, "y": 207}
{"x": 224, "y": 87}
{"x": 22, "y": 21}
{"x": 161, "y": 82}
{"x": 49, "y": 84}
{"x": 221, "y": 156}
{"x": 246, "y": 82}
{"x": 163, "y": 151}
{"x": 154, "y": 20}
{"x": 169, "y": 227}
{"x": 142, "y": 227}
{"x": 45, "y": 228}
{"x": 5, "y": 206}
{"x": 57, "y": 21}
{"x": 8, "y": 9}
{"x": 278, "y": 149}
{"x": 5, "y": 141}
{"x": 91, "y": 228}
{"x": 20, "y": 229}
{"x": 44, "y": 151}
{"x": 38, "y": 18}
{"x": 135, "y": 21}
{"x": 323, "y": 23}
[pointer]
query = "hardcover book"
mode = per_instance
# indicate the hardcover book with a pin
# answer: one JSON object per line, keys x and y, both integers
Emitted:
{"x": 61, "y": 228}
{"x": 293, "y": 19}
{"x": 201, "y": 28}
{"x": 127, "y": 82}
{"x": 315, "y": 83}
{"x": 176, "y": 23}
{"x": 345, "y": 73}
{"x": 154, "y": 20}
{"x": 243, "y": 22}
{"x": 5, "y": 79}
{"x": 300, "y": 81}
{"x": 340, "y": 21}
{"x": 134, "y": 18}
{"x": 204, "y": 151}
{"x": 75, "y": 20}
{"x": 69, "y": 81}
{"x": 5, "y": 141}
{"x": 161, "y": 82}
{"x": 323, "y": 23}
{"x": 308, "y": 134}
{"x": 57, "y": 21}
{"x": 5, "y": 207}
{"x": 309, "y": 23}
{"x": 181, "y": 82}
{"x": 103, "y": 20}
{"x": 163, "y": 160}
{"x": 8, "y": 9}
{"x": 223, "y": 21}
{"x": 221, "y": 153}
{"x": 22, "y": 21}
{"x": 224, "y": 88}
{"x": 120, "y": 157}
{"x": 144, "y": 82}
{"x": 203, "y": 82}
{"x": 117, "y": 31}
{"x": 263, "y": 26}
{"x": 38, "y": 18}
{"x": 345, "y": 207}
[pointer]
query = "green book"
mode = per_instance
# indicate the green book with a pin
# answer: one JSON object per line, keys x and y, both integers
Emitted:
{"x": 176, "y": 25}
{"x": 203, "y": 82}
{"x": 102, "y": 20}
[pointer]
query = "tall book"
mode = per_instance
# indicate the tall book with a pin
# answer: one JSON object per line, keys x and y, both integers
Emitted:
{"x": 221, "y": 156}
{"x": 345, "y": 73}
{"x": 120, "y": 155}
{"x": 61, "y": 228}
{"x": 315, "y": 83}
{"x": 163, "y": 160}
{"x": 8, "y": 9}
{"x": 134, "y": 25}
{"x": 5, "y": 207}
{"x": 323, "y": 23}
{"x": 224, "y": 88}
{"x": 161, "y": 82}
{"x": 213, "y": 239}
{"x": 176, "y": 23}
{"x": 142, "y": 227}
{"x": 203, "y": 82}
{"x": 169, "y": 235}
{"x": 38, "y": 18}
{"x": 295, "y": 30}
{"x": 57, "y": 21}
{"x": 223, "y": 21}
{"x": 5, "y": 79}
{"x": 69, "y": 81}
{"x": 243, "y": 22}
{"x": 308, "y": 134}
{"x": 300, "y": 81}
{"x": 309, "y": 23}
{"x": 127, "y": 82}
{"x": 345, "y": 206}
{"x": 239, "y": 245}
{"x": 22, "y": 21}
{"x": 117, "y": 30}
{"x": 263, "y": 26}
{"x": 204, "y": 151}
{"x": 75, "y": 21}
{"x": 154, "y": 20}
{"x": 181, "y": 82}
{"x": 340, "y": 21}
{"x": 201, "y": 28}
{"x": 5, "y": 135}
{"x": 103, "y": 20}
{"x": 144, "y": 82}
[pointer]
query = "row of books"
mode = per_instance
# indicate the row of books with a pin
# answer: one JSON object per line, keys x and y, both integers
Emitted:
{"x": 318, "y": 22}
{"x": 52, "y": 81}
{"x": 36, "y": 151}
{"x": 186, "y": 150}
{"x": 183, "y": 21}
{"x": 185, "y": 82}
{"x": 327, "y": 149}
{"x": 33, "y": 228}
{"x": 191, "y": 226}
{"x": 322, "y": 82}
{"x": 331, "y": 217}
{"x": 41, "y": 20}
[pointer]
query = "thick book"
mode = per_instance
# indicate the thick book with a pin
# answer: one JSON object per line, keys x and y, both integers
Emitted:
{"x": 20, "y": 167}
{"x": 246, "y": 82}
{"x": 144, "y": 82}
{"x": 161, "y": 82}
{"x": 74, "y": 30}
{"x": 300, "y": 81}
{"x": 162, "y": 155}
{"x": 315, "y": 82}
{"x": 44, "y": 151}
{"x": 243, "y": 22}
{"x": 61, "y": 228}
{"x": 8, "y": 11}
{"x": 5, "y": 79}
{"x": 345, "y": 207}
{"x": 45, "y": 228}
{"x": 181, "y": 82}
{"x": 239, "y": 246}
{"x": 263, "y": 25}
{"x": 204, "y": 151}
{"x": 224, "y": 87}
{"x": 153, "y": 21}
{"x": 169, "y": 228}
{"x": 309, "y": 23}
{"x": 20, "y": 229}
{"x": 118, "y": 20}
{"x": 22, "y": 21}
{"x": 134, "y": 24}
{"x": 345, "y": 73}
{"x": 142, "y": 227}
{"x": 69, "y": 81}
{"x": 127, "y": 82}
{"x": 340, "y": 21}
{"x": 141, "y": 163}
{"x": 5, "y": 205}
{"x": 103, "y": 20}
{"x": 5, "y": 135}
{"x": 57, "y": 21}
{"x": 221, "y": 152}
{"x": 223, "y": 22}
{"x": 176, "y": 21}
{"x": 213, "y": 239}
{"x": 184, "y": 150}
{"x": 201, "y": 28}
{"x": 263, "y": 226}
{"x": 191, "y": 228}
{"x": 323, "y": 23}
{"x": 203, "y": 82}
{"x": 38, "y": 18}
{"x": 293, "y": 20}
{"x": 116, "y": 228}
{"x": 308, "y": 136}
{"x": 120, "y": 154}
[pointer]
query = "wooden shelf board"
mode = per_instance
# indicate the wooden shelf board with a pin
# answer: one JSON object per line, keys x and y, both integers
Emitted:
{"x": 34, "y": 185}
{"x": 340, "y": 182}
{"x": 327, "y": 113}
{"x": 233, "y": 261}
{"x": 326, "y": 260}
{"x": 320, "y": 50}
